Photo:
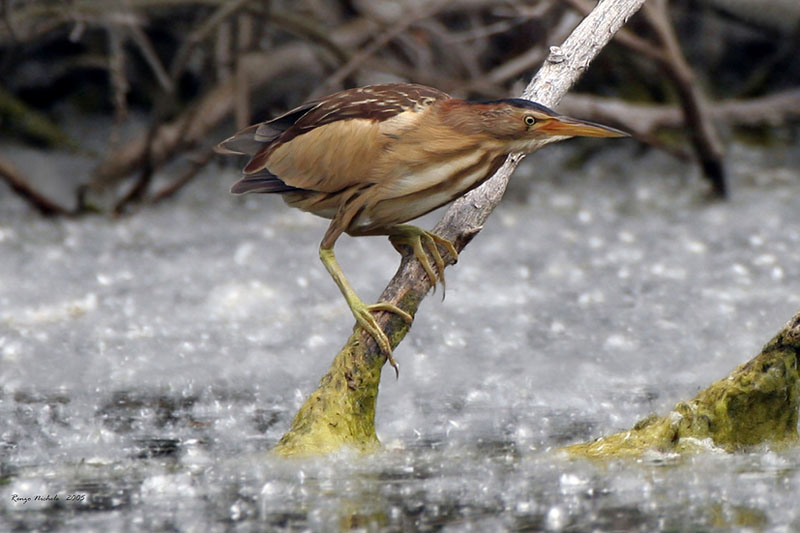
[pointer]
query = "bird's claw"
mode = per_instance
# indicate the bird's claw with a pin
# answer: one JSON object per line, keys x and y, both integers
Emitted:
{"x": 422, "y": 243}
{"x": 391, "y": 308}
{"x": 365, "y": 319}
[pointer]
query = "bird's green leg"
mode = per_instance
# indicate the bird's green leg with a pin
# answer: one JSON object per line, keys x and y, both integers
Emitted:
{"x": 419, "y": 240}
{"x": 361, "y": 311}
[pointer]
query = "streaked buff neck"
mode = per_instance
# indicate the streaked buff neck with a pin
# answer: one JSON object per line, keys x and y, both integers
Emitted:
{"x": 470, "y": 118}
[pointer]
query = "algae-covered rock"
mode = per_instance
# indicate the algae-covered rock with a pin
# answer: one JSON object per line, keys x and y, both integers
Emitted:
{"x": 756, "y": 404}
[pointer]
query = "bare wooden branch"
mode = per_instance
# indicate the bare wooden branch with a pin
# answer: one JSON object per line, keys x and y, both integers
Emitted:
{"x": 705, "y": 139}
{"x": 223, "y": 51}
{"x": 535, "y": 55}
{"x": 644, "y": 119}
{"x": 382, "y": 38}
{"x": 117, "y": 78}
{"x": 148, "y": 51}
{"x": 311, "y": 31}
{"x": 668, "y": 55}
{"x": 33, "y": 122}
{"x": 20, "y": 185}
{"x": 201, "y": 33}
{"x": 245, "y": 36}
{"x": 625, "y": 37}
{"x": 5, "y": 15}
{"x": 197, "y": 164}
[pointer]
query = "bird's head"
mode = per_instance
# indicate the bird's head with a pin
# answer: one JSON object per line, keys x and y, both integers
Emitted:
{"x": 520, "y": 125}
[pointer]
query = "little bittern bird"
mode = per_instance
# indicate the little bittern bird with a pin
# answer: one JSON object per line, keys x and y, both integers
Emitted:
{"x": 375, "y": 157}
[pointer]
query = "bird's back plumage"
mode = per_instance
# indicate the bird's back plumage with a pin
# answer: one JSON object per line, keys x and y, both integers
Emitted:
{"x": 329, "y": 144}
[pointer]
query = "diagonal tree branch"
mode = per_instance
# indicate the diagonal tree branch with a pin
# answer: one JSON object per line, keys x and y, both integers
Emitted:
{"x": 19, "y": 184}
{"x": 705, "y": 139}
{"x": 666, "y": 52}
{"x": 341, "y": 412}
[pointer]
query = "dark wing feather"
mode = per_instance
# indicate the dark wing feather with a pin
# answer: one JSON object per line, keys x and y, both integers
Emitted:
{"x": 272, "y": 129}
{"x": 252, "y": 138}
{"x": 243, "y": 142}
{"x": 262, "y": 182}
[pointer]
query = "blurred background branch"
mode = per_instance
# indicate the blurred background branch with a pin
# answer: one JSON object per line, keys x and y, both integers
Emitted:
{"x": 170, "y": 77}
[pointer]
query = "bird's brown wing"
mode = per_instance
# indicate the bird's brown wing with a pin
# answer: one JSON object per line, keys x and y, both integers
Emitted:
{"x": 251, "y": 139}
{"x": 331, "y": 144}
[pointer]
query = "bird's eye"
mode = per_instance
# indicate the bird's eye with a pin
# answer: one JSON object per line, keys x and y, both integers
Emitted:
{"x": 529, "y": 120}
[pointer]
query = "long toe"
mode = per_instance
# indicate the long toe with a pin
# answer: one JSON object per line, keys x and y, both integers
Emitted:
{"x": 422, "y": 257}
{"x": 391, "y": 308}
{"x": 422, "y": 243}
{"x": 370, "y": 325}
{"x": 430, "y": 243}
{"x": 448, "y": 245}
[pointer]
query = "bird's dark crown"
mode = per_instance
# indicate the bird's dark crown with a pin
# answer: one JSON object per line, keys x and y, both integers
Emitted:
{"x": 517, "y": 102}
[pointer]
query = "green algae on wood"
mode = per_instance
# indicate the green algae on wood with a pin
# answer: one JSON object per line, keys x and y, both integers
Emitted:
{"x": 340, "y": 414}
{"x": 756, "y": 404}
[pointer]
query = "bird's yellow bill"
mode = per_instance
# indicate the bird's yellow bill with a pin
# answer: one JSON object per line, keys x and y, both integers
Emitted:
{"x": 578, "y": 128}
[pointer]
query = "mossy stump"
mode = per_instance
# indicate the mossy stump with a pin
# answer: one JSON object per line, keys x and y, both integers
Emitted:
{"x": 341, "y": 412}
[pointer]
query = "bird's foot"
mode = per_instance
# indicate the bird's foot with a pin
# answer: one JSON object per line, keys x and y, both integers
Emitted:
{"x": 362, "y": 312}
{"x": 365, "y": 319}
{"x": 422, "y": 243}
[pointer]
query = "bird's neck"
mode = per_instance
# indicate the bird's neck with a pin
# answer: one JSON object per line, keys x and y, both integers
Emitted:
{"x": 467, "y": 118}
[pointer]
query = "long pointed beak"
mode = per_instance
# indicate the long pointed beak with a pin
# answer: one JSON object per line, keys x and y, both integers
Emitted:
{"x": 573, "y": 127}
